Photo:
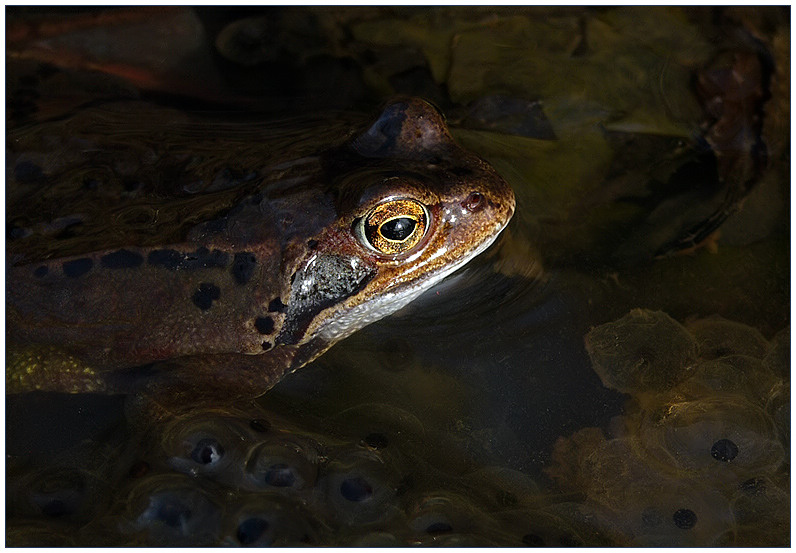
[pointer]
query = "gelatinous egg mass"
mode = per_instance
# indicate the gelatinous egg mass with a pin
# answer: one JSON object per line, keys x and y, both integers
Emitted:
{"x": 699, "y": 430}
{"x": 644, "y": 350}
{"x": 698, "y": 457}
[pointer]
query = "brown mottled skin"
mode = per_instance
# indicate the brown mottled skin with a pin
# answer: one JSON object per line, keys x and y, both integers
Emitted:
{"x": 222, "y": 312}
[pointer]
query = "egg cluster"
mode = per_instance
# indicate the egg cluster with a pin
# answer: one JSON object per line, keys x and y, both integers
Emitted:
{"x": 699, "y": 458}
{"x": 252, "y": 478}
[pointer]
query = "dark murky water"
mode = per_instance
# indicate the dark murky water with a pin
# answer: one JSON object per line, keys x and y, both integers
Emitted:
{"x": 614, "y": 371}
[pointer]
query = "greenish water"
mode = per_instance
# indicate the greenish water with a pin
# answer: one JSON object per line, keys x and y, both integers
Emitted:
{"x": 589, "y": 380}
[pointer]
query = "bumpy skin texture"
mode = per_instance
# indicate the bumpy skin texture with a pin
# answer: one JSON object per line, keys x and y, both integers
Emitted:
{"x": 264, "y": 287}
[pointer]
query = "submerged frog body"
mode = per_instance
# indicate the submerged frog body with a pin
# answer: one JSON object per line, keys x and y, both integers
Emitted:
{"x": 327, "y": 244}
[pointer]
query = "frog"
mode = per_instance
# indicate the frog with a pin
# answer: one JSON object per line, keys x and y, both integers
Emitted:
{"x": 313, "y": 249}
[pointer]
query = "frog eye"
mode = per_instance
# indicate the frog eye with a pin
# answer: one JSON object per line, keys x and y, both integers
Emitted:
{"x": 394, "y": 226}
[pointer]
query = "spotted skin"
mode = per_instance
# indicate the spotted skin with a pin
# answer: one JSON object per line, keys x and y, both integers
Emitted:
{"x": 266, "y": 286}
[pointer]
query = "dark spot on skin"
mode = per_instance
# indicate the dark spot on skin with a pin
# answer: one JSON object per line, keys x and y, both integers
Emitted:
{"x": 139, "y": 469}
{"x": 207, "y": 451}
{"x": 356, "y": 489}
{"x": 243, "y": 267}
{"x": 264, "y": 325}
{"x": 312, "y": 244}
{"x": 41, "y": 272}
{"x": 474, "y": 202}
{"x": 203, "y": 258}
{"x": 267, "y": 346}
{"x": 684, "y": 518}
{"x": 438, "y": 528}
{"x": 532, "y": 540}
{"x": 250, "y": 530}
{"x": 376, "y": 440}
{"x": 122, "y": 259}
{"x": 203, "y": 298}
{"x": 168, "y": 259}
{"x": 276, "y": 306}
{"x": 280, "y": 475}
{"x": 27, "y": 171}
{"x": 78, "y": 267}
{"x": 724, "y": 450}
{"x": 260, "y": 425}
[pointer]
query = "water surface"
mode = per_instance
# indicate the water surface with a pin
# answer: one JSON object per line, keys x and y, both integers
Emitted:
{"x": 613, "y": 371}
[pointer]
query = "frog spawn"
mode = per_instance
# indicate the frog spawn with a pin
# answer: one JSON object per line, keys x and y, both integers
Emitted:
{"x": 696, "y": 459}
{"x": 702, "y": 429}
{"x": 253, "y": 478}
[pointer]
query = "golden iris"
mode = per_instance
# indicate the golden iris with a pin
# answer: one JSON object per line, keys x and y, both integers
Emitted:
{"x": 394, "y": 226}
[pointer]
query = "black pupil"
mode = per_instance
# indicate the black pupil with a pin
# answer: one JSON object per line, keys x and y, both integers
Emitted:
{"x": 398, "y": 229}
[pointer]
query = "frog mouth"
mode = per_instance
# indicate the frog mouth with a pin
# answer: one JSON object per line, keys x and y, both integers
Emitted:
{"x": 433, "y": 278}
{"x": 349, "y": 321}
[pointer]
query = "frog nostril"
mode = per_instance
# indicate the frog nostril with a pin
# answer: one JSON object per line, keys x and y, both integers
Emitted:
{"x": 474, "y": 202}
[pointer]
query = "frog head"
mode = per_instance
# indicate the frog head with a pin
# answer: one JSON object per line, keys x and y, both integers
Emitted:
{"x": 412, "y": 207}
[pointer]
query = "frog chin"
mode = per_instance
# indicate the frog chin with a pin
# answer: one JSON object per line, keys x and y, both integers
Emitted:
{"x": 343, "y": 324}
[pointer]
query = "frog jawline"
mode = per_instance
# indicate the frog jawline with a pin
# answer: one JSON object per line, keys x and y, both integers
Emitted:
{"x": 362, "y": 315}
